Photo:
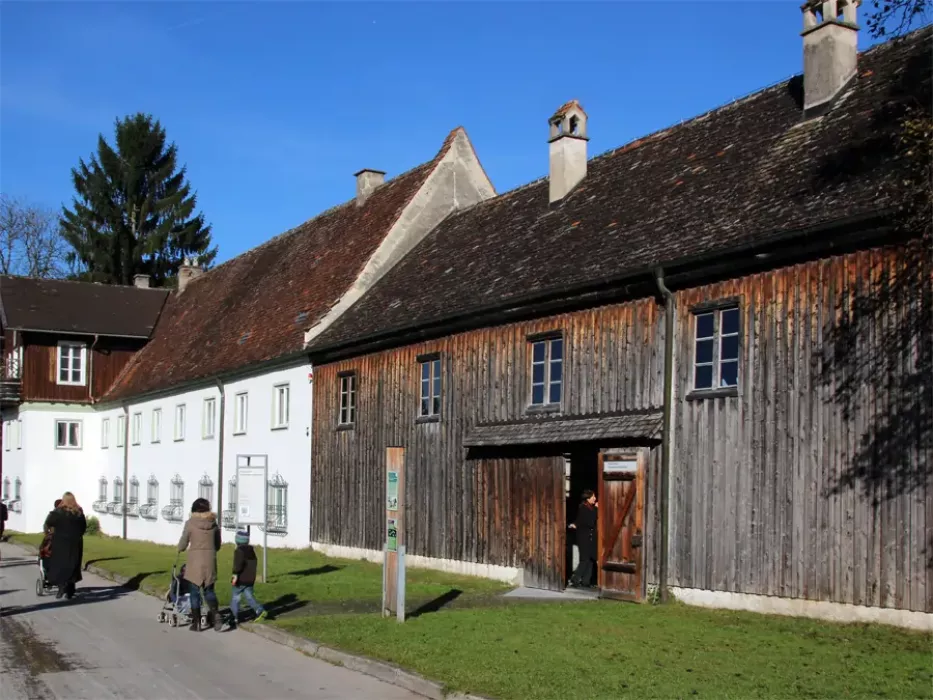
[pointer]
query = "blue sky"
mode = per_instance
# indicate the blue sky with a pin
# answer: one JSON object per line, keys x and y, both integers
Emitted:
{"x": 275, "y": 105}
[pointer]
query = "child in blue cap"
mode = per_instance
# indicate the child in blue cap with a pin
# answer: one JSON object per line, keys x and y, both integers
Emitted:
{"x": 244, "y": 578}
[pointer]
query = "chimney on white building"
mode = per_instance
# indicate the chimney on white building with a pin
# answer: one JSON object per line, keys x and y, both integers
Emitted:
{"x": 141, "y": 281}
{"x": 366, "y": 181}
{"x": 187, "y": 271}
{"x": 567, "y": 141}
{"x": 830, "y": 50}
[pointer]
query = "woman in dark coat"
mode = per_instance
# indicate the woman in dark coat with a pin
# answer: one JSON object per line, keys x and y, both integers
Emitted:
{"x": 68, "y": 525}
{"x": 585, "y": 527}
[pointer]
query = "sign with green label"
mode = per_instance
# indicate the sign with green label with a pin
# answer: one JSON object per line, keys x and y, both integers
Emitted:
{"x": 392, "y": 535}
{"x": 392, "y": 491}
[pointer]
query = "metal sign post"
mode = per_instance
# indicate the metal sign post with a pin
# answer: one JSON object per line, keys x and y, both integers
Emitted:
{"x": 252, "y": 480}
{"x": 393, "y": 567}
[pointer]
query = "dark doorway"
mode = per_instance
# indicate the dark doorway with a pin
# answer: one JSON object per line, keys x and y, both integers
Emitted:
{"x": 581, "y": 473}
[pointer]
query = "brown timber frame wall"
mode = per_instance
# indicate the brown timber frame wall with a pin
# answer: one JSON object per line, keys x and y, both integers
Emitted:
{"x": 467, "y": 506}
{"x": 814, "y": 481}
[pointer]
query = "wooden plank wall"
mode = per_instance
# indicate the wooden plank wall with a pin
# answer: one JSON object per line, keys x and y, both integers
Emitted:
{"x": 815, "y": 481}
{"x": 108, "y": 359}
{"x": 614, "y": 362}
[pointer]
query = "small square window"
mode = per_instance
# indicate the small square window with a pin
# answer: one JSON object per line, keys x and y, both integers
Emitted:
{"x": 347, "y": 399}
{"x": 716, "y": 349}
{"x": 68, "y": 434}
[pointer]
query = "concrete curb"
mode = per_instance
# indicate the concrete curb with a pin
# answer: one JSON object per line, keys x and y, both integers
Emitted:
{"x": 385, "y": 672}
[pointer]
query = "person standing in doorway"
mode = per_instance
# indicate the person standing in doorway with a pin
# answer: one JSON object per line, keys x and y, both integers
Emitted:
{"x": 201, "y": 538}
{"x": 585, "y": 528}
{"x": 67, "y": 525}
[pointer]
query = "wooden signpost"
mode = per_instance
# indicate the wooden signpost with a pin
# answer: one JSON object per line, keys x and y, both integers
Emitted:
{"x": 393, "y": 568}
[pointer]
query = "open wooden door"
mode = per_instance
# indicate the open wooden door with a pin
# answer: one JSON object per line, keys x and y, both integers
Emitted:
{"x": 620, "y": 521}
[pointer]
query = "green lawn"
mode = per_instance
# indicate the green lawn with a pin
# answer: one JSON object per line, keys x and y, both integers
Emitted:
{"x": 586, "y": 650}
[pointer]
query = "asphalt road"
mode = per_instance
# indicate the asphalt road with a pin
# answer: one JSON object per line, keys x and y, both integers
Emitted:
{"x": 107, "y": 643}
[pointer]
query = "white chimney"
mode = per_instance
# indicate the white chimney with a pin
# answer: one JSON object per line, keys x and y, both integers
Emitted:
{"x": 567, "y": 149}
{"x": 141, "y": 281}
{"x": 187, "y": 271}
{"x": 366, "y": 181}
{"x": 830, "y": 51}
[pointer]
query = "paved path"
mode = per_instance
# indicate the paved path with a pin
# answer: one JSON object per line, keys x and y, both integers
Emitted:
{"x": 107, "y": 644}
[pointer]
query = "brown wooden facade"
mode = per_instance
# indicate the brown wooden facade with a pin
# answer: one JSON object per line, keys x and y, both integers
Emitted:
{"x": 38, "y": 371}
{"x": 810, "y": 480}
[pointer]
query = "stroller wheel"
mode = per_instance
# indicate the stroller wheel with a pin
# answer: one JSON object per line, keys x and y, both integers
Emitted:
{"x": 161, "y": 617}
{"x": 40, "y": 587}
{"x": 173, "y": 620}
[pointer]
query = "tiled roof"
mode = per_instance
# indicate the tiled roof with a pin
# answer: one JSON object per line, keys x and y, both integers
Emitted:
{"x": 740, "y": 175}
{"x": 256, "y": 307}
{"x": 553, "y": 430}
{"x": 79, "y": 307}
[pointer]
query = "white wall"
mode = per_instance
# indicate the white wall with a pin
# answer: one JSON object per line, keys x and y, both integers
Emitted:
{"x": 47, "y": 472}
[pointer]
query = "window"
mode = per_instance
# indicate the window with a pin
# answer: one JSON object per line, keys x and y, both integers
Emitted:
{"x": 121, "y": 430}
{"x": 68, "y": 434}
{"x": 19, "y": 433}
{"x": 156, "y": 425}
{"x": 206, "y": 488}
{"x": 240, "y": 410}
{"x": 18, "y": 490}
{"x": 152, "y": 491}
{"x": 280, "y": 395}
{"x": 229, "y": 514}
{"x": 117, "y": 491}
{"x": 177, "y": 494}
{"x": 6, "y": 488}
{"x": 134, "y": 491}
{"x": 547, "y": 371}
{"x": 347, "y": 399}
{"x": 430, "y": 387}
{"x": 105, "y": 433}
{"x": 8, "y": 438}
{"x": 210, "y": 411}
{"x": 180, "y": 422}
{"x": 277, "y": 507}
{"x": 72, "y": 358}
{"x": 716, "y": 351}
{"x": 137, "y": 427}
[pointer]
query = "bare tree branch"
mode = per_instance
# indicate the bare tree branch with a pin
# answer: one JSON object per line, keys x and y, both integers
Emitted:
{"x": 31, "y": 243}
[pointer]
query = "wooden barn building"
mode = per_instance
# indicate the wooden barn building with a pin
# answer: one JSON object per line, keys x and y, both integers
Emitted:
{"x": 724, "y": 328}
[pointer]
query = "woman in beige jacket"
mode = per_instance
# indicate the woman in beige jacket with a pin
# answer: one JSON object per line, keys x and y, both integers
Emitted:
{"x": 201, "y": 537}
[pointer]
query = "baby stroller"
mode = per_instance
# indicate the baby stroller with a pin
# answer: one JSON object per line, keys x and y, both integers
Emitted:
{"x": 45, "y": 551}
{"x": 176, "y": 608}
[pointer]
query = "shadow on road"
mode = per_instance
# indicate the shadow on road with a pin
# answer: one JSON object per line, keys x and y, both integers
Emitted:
{"x": 90, "y": 594}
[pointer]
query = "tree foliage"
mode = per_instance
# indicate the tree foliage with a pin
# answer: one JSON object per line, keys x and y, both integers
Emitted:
{"x": 134, "y": 211}
{"x": 894, "y": 17}
{"x": 31, "y": 242}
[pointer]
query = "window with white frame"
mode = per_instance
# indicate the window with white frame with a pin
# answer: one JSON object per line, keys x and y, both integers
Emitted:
{"x": 8, "y": 437}
{"x": 134, "y": 491}
{"x": 137, "y": 429}
{"x": 347, "y": 415}
{"x": 18, "y": 489}
{"x": 180, "y": 422}
{"x": 156, "y": 425}
{"x": 6, "y": 488}
{"x": 117, "y": 490}
{"x": 105, "y": 433}
{"x": 206, "y": 489}
{"x": 177, "y": 493}
{"x": 121, "y": 430}
{"x": 547, "y": 371}
{"x": 430, "y": 387}
{"x": 280, "y": 407}
{"x": 231, "y": 494}
{"x": 277, "y": 508}
{"x": 68, "y": 434}
{"x": 72, "y": 361}
{"x": 240, "y": 413}
{"x": 102, "y": 489}
{"x": 152, "y": 491}
{"x": 716, "y": 348}
{"x": 19, "y": 433}
{"x": 208, "y": 418}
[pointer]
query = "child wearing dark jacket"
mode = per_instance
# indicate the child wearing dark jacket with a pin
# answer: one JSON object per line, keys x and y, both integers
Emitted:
{"x": 244, "y": 578}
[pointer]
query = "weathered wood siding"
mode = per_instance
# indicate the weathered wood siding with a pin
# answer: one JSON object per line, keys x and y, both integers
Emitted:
{"x": 460, "y": 505}
{"x": 814, "y": 482}
{"x": 40, "y": 357}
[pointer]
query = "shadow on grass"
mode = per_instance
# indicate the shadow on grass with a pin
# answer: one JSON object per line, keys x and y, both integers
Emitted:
{"x": 437, "y": 604}
{"x": 315, "y": 571}
{"x": 284, "y": 604}
{"x": 91, "y": 562}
